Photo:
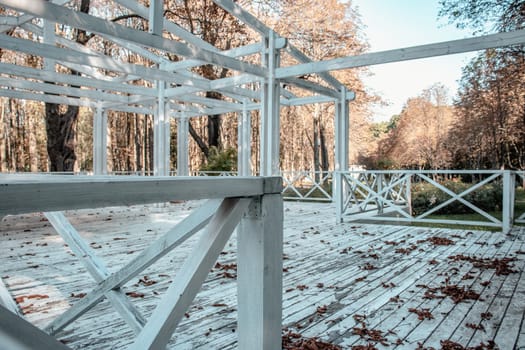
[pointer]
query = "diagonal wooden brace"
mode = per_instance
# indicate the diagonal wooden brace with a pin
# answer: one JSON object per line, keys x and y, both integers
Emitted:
{"x": 96, "y": 268}
{"x": 170, "y": 310}
{"x": 185, "y": 229}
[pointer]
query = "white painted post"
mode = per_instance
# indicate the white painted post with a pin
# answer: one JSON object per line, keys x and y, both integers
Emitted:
{"x": 100, "y": 141}
{"x": 408, "y": 193}
{"x": 182, "y": 146}
{"x": 188, "y": 281}
{"x": 244, "y": 142}
{"x": 379, "y": 185}
{"x": 341, "y": 152}
{"x": 259, "y": 274}
{"x": 156, "y": 16}
{"x": 270, "y": 110}
{"x": 161, "y": 142}
{"x": 49, "y": 38}
{"x": 509, "y": 179}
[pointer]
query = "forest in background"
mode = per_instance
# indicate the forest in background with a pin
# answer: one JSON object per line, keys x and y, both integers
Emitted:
{"x": 484, "y": 128}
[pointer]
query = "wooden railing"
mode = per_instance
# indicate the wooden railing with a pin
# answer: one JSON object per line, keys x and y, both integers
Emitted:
{"x": 388, "y": 196}
{"x": 307, "y": 185}
{"x": 254, "y": 204}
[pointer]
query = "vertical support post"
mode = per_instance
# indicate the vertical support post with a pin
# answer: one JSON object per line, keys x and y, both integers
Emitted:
{"x": 380, "y": 178}
{"x": 49, "y": 38}
{"x": 156, "y": 17}
{"x": 270, "y": 109}
{"x": 182, "y": 146}
{"x": 408, "y": 192}
{"x": 161, "y": 142}
{"x": 244, "y": 142}
{"x": 100, "y": 141}
{"x": 509, "y": 179}
{"x": 341, "y": 152}
{"x": 161, "y": 120}
{"x": 259, "y": 280}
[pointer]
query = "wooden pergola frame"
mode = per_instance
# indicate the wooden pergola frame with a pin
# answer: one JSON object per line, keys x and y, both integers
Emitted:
{"x": 254, "y": 203}
{"x": 177, "y": 92}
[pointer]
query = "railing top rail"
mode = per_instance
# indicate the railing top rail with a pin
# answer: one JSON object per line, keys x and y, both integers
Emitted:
{"x": 30, "y": 193}
{"x": 495, "y": 171}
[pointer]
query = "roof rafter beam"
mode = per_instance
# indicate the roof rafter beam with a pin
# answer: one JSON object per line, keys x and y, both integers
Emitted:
{"x": 60, "y": 14}
{"x": 14, "y": 22}
{"x": 103, "y": 62}
{"x": 33, "y": 96}
{"x": 171, "y": 27}
{"x": 246, "y": 17}
{"x": 64, "y": 90}
{"x": 405, "y": 54}
{"x": 39, "y": 74}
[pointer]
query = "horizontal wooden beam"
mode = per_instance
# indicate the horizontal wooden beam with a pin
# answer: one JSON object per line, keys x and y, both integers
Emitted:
{"x": 67, "y": 91}
{"x": 29, "y": 193}
{"x": 43, "y": 75}
{"x": 104, "y": 62}
{"x": 60, "y": 14}
{"x": 405, "y": 54}
{"x": 34, "y": 96}
{"x": 243, "y": 15}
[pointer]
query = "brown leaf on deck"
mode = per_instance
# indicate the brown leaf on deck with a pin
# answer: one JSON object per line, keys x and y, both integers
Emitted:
{"x": 78, "y": 295}
{"x": 422, "y": 314}
{"x": 501, "y": 266}
{"x": 370, "y": 334}
{"x": 294, "y": 341}
{"x": 440, "y": 241}
{"x": 486, "y": 315}
{"x": 219, "y": 305}
{"x": 477, "y": 326}
{"x": 146, "y": 281}
{"x": 22, "y": 298}
{"x": 368, "y": 267}
{"x": 368, "y": 346}
{"x": 450, "y": 345}
{"x": 135, "y": 294}
{"x": 302, "y": 287}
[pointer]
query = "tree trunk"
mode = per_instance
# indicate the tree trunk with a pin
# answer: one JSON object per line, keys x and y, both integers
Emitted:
{"x": 3, "y": 140}
{"x": 323, "y": 148}
{"x": 60, "y": 128}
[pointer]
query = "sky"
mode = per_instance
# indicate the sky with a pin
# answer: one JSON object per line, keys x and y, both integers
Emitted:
{"x": 391, "y": 24}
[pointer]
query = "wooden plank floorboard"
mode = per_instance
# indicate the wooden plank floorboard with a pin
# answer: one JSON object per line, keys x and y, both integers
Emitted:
{"x": 331, "y": 273}
{"x": 400, "y": 321}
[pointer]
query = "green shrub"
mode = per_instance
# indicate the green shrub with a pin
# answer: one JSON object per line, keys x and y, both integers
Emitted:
{"x": 425, "y": 196}
{"x": 221, "y": 160}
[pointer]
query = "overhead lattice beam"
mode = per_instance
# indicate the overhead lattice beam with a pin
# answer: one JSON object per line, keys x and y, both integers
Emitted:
{"x": 59, "y": 14}
{"x": 405, "y": 54}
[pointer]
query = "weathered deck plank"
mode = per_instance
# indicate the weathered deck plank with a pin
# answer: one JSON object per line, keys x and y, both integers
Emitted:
{"x": 331, "y": 273}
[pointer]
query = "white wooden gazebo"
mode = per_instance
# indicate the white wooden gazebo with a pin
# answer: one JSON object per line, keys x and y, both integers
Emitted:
{"x": 178, "y": 93}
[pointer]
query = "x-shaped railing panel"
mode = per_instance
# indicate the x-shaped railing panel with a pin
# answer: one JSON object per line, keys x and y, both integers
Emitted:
{"x": 368, "y": 190}
{"x": 459, "y": 197}
{"x": 290, "y": 179}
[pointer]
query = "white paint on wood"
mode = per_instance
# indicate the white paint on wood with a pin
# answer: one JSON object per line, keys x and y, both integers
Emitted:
{"x": 259, "y": 281}
{"x": 404, "y": 54}
{"x": 97, "y": 269}
{"x": 59, "y": 14}
{"x": 182, "y": 146}
{"x": 170, "y": 310}
{"x": 148, "y": 256}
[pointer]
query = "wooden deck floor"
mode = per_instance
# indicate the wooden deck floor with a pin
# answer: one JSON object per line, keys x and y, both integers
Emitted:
{"x": 350, "y": 284}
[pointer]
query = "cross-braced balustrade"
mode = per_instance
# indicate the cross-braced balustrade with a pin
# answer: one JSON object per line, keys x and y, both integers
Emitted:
{"x": 253, "y": 204}
{"x": 307, "y": 185}
{"x": 420, "y": 196}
